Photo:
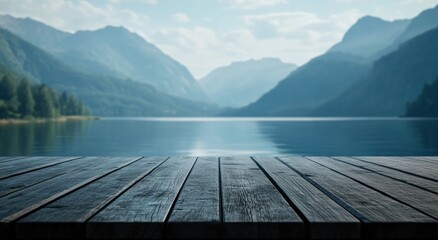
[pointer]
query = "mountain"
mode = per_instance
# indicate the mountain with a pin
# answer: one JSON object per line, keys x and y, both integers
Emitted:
{"x": 369, "y": 36}
{"x": 111, "y": 51}
{"x": 104, "y": 95}
{"x": 40, "y": 34}
{"x": 242, "y": 83}
{"x": 426, "y": 104}
{"x": 309, "y": 86}
{"x": 393, "y": 81}
{"x": 425, "y": 21}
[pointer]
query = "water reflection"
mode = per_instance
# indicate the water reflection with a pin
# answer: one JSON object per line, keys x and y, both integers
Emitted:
{"x": 39, "y": 138}
{"x": 426, "y": 132}
{"x": 355, "y": 137}
{"x": 213, "y": 137}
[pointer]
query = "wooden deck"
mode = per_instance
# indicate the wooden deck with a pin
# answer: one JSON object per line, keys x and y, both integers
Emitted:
{"x": 212, "y": 197}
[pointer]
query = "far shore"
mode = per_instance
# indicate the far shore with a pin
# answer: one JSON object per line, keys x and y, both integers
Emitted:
{"x": 44, "y": 120}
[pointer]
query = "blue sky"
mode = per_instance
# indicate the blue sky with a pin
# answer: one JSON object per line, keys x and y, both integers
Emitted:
{"x": 206, "y": 34}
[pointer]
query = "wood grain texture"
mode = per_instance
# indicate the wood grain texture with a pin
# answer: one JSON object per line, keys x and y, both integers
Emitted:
{"x": 381, "y": 216}
{"x": 22, "y": 181}
{"x": 252, "y": 206}
{"x": 413, "y": 180}
{"x": 433, "y": 160}
{"x": 70, "y": 211}
{"x": 406, "y": 165}
{"x": 419, "y": 199}
{"x": 25, "y": 165}
{"x": 326, "y": 218}
{"x": 142, "y": 210}
{"x": 7, "y": 159}
{"x": 209, "y": 197}
{"x": 18, "y": 204}
{"x": 196, "y": 212}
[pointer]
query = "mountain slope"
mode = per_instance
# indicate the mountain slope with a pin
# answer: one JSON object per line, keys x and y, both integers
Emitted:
{"x": 369, "y": 36}
{"x": 309, "y": 86}
{"x": 425, "y": 21}
{"x": 112, "y": 51}
{"x": 42, "y": 35}
{"x": 104, "y": 95}
{"x": 394, "y": 80}
{"x": 242, "y": 83}
{"x": 426, "y": 104}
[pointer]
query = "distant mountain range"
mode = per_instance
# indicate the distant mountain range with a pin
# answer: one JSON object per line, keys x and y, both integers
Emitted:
{"x": 369, "y": 36}
{"x": 376, "y": 69}
{"x": 242, "y": 83}
{"x": 393, "y": 81}
{"x": 104, "y": 95}
{"x": 309, "y": 86}
{"x": 379, "y": 68}
{"x": 111, "y": 51}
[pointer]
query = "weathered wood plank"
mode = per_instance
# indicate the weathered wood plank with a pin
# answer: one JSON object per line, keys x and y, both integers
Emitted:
{"x": 419, "y": 182}
{"x": 63, "y": 218}
{"x": 8, "y": 159}
{"x": 196, "y": 214}
{"x": 26, "y": 161}
{"x": 418, "y": 168}
{"x": 30, "y": 164}
{"x": 433, "y": 160}
{"x": 419, "y": 199}
{"x": 252, "y": 206}
{"x": 18, "y": 204}
{"x": 381, "y": 216}
{"x": 19, "y": 182}
{"x": 142, "y": 210}
{"x": 326, "y": 218}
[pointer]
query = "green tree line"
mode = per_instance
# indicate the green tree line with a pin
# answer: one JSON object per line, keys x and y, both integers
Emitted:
{"x": 426, "y": 104}
{"x": 25, "y": 100}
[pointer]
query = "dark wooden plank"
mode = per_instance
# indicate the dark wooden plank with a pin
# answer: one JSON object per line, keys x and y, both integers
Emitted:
{"x": 8, "y": 159}
{"x": 419, "y": 199}
{"x": 326, "y": 218}
{"x": 63, "y": 217}
{"x": 27, "y": 161}
{"x": 419, "y": 168}
{"x": 413, "y": 180}
{"x": 19, "y": 182}
{"x": 30, "y": 164}
{"x": 252, "y": 206}
{"x": 142, "y": 210}
{"x": 381, "y": 216}
{"x": 18, "y": 204}
{"x": 196, "y": 212}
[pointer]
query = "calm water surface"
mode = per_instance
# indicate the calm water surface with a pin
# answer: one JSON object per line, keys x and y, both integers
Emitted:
{"x": 223, "y": 136}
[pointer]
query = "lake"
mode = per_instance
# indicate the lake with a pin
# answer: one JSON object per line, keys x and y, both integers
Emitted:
{"x": 223, "y": 136}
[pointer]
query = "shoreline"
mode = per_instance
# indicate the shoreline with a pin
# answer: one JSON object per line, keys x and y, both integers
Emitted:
{"x": 44, "y": 120}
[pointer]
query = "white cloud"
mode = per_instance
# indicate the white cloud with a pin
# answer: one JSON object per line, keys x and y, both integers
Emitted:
{"x": 180, "y": 17}
{"x": 301, "y": 29}
{"x": 151, "y": 2}
{"x": 251, "y": 4}
{"x": 196, "y": 39}
{"x": 75, "y": 15}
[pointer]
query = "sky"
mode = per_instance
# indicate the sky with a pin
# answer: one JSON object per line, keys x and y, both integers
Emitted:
{"x": 206, "y": 34}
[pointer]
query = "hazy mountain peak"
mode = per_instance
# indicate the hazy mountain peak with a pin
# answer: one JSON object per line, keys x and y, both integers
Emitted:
{"x": 425, "y": 21}
{"x": 369, "y": 36}
{"x": 368, "y": 19}
{"x": 243, "y": 82}
{"x": 111, "y": 28}
{"x": 41, "y": 34}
